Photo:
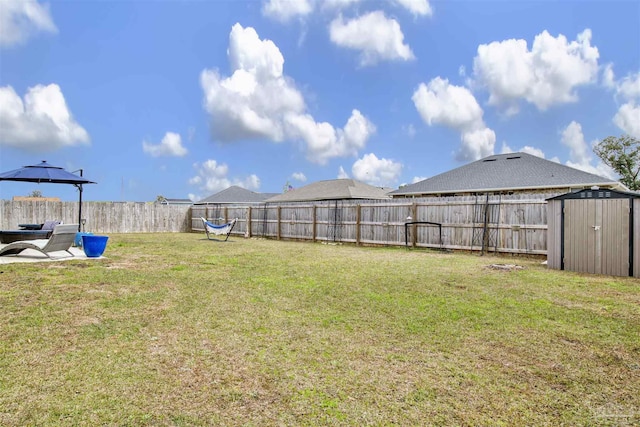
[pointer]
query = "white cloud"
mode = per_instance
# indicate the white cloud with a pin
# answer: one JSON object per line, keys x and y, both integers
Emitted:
{"x": 299, "y": 176}
{"x": 375, "y": 36}
{"x": 600, "y": 169}
{"x": 441, "y": 103}
{"x": 418, "y": 179}
{"x": 506, "y": 149}
{"x": 170, "y": 146}
{"x": 476, "y": 144}
{"x": 251, "y": 182}
{"x": 21, "y": 19}
{"x": 191, "y": 133}
{"x": 416, "y": 7}
{"x": 547, "y": 74}
{"x": 286, "y": 10}
{"x": 629, "y": 87}
{"x": 253, "y": 100}
{"x": 338, "y": 4}
{"x": 628, "y": 119}
{"x": 573, "y": 138}
{"x": 325, "y": 142}
{"x": 526, "y": 149}
{"x": 259, "y": 102}
{"x": 580, "y": 152}
{"x": 608, "y": 77}
{"x": 342, "y": 174}
{"x": 260, "y": 59}
{"x": 374, "y": 171}
{"x": 41, "y": 122}
{"x": 211, "y": 176}
{"x": 357, "y": 130}
{"x": 444, "y": 104}
{"x": 410, "y": 130}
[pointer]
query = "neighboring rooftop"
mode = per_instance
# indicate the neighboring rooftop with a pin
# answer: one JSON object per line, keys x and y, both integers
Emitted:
{"x": 507, "y": 172}
{"x": 235, "y": 194}
{"x": 335, "y": 189}
{"x": 167, "y": 201}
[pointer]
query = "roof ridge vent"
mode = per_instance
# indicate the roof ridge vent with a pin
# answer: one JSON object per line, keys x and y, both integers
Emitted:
{"x": 513, "y": 157}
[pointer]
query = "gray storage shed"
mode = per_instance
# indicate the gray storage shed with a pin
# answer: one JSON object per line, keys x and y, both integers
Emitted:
{"x": 594, "y": 231}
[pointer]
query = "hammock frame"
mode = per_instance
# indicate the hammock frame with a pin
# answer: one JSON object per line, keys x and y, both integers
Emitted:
{"x": 218, "y": 230}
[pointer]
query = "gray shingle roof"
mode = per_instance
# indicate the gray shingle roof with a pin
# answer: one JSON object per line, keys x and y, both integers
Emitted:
{"x": 335, "y": 189}
{"x": 514, "y": 171}
{"x": 235, "y": 194}
{"x": 168, "y": 201}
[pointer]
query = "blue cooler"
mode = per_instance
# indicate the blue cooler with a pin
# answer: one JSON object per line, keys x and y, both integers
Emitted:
{"x": 78, "y": 240}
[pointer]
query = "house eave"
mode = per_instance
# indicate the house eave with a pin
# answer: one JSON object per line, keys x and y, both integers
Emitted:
{"x": 615, "y": 185}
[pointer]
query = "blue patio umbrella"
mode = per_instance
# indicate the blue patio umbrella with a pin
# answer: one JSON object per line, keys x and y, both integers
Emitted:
{"x": 44, "y": 172}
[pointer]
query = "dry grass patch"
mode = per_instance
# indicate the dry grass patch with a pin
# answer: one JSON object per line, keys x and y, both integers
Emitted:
{"x": 173, "y": 329}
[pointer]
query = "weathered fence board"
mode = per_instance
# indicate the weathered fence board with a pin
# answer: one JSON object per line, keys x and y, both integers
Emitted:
{"x": 502, "y": 223}
{"x": 101, "y": 217}
{"x": 505, "y": 224}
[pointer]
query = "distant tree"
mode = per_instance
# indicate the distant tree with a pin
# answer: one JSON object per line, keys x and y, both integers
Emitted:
{"x": 35, "y": 193}
{"x": 160, "y": 198}
{"x": 622, "y": 154}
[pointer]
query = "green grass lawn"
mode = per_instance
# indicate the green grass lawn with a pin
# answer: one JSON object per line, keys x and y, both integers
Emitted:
{"x": 172, "y": 329}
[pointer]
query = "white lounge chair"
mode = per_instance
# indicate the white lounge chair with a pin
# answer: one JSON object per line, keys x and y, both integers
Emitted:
{"x": 60, "y": 240}
{"x": 218, "y": 230}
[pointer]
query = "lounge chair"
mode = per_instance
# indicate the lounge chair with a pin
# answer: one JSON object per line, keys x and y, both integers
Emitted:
{"x": 50, "y": 224}
{"x": 29, "y": 232}
{"x": 47, "y": 225}
{"x": 60, "y": 240}
{"x": 218, "y": 230}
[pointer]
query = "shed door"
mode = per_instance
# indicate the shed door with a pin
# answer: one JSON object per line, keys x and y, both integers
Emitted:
{"x": 596, "y": 236}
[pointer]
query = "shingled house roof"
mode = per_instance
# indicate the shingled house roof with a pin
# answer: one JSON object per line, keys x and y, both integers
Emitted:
{"x": 507, "y": 172}
{"x": 235, "y": 194}
{"x": 167, "y": 201}
{"x": 335, "y": 189}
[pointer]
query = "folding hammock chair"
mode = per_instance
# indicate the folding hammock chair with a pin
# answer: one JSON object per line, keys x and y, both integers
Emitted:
{"x": 218, "y": 230}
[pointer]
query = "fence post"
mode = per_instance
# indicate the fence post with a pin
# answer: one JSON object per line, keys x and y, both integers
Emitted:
{"x": 414, "y": 227}
{"x": 358, "y": 215}
{"x": 463, "y": 221}
{"x": 313, "y": 225}
{"x": 279, "y": 211}
{"x": 249, "y": 221}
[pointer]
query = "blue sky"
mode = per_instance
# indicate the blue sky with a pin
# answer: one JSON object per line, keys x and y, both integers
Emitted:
{"x": 185, "y": 98}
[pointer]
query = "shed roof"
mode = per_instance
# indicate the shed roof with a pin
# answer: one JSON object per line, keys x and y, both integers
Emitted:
{"x": 502, "y": 172}
{"x": 334, "y": 189}
{"x": 597, "y": 193}
{"x": 235, "y": 194}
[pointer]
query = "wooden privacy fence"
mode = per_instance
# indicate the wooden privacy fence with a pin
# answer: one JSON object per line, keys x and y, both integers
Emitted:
{"x": 506, "y": 224}
{"x": 101, "y": 217}
{"x": 500, "y": 223}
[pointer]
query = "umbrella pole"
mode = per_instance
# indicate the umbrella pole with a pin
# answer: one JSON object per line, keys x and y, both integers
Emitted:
{"x": 80, "y": 207}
